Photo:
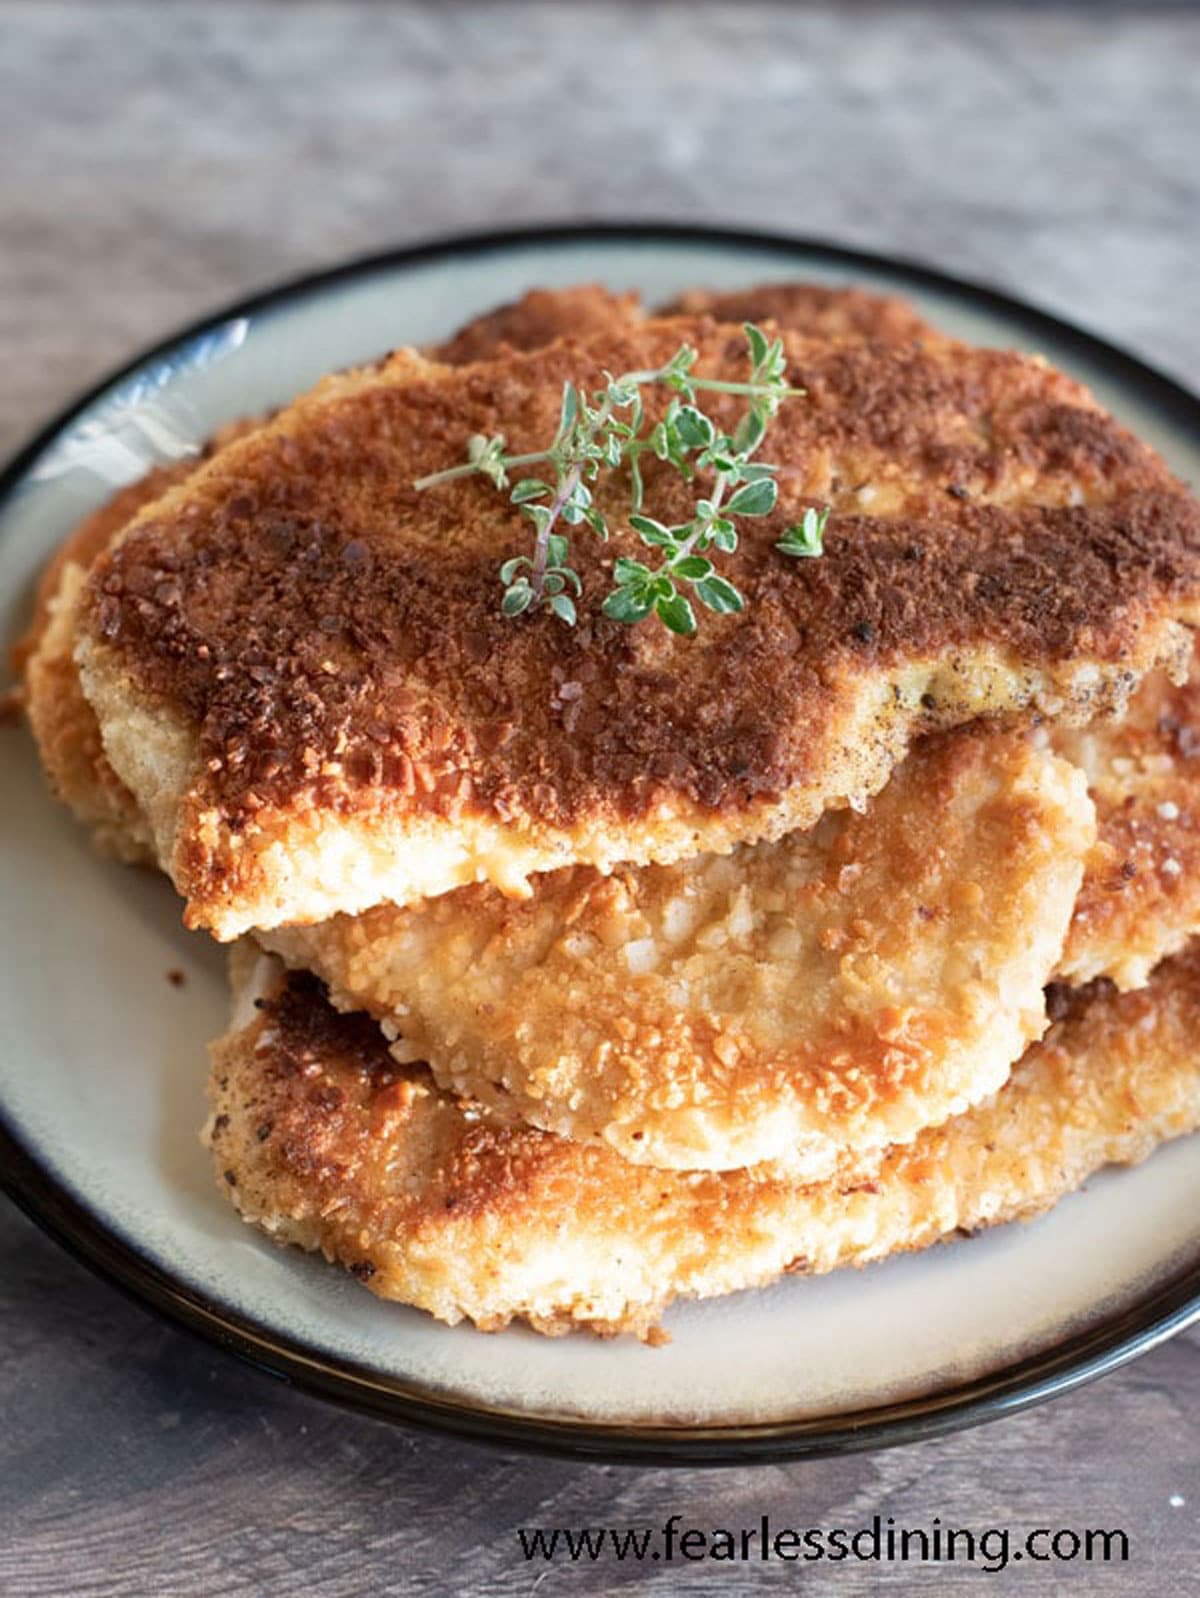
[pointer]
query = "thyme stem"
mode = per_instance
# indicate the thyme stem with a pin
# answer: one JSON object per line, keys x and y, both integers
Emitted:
{"x": 470, "y": 468}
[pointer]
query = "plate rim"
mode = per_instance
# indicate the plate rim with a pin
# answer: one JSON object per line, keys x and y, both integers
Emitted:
{"x": 1169, "y": 1308}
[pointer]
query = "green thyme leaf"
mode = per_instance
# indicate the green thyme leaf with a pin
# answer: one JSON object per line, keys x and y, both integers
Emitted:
{"x": 652, "y": 532}
{"x": 627, "y": 605}
{"x": 804, "y": 539}
{"x": 486, "y": 455}
{"x": 719, "y": 594}
{"x": 637, "y": 491}
{"x": 540, "y": 516}
{"x": 517, "y": 599}
{"x": 754, "y": 499}
{"x": 570, "y": 410}
{"x": 757, "y": 341}
{"x": 676, "y": 614}
{"x": 750, "y": 432}
{"x": 693, "y": 428}
{"x": 529, "y": 488}
{"x": 630, "y": 571}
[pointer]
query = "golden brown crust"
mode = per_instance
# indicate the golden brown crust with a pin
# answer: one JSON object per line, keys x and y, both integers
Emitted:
{"x": 330, "y": 639}
{"x": 838, "y": 989}
{"x": 63, "y": 723}
{"x": 67, "y": 734}
{"x": 537, "y": 319}
{"x": 1140, "y": 899}
{"x": 88, "y": 540}
{"x": 818, "y": 309}
{"x": 321, "y": 1138}
{"x": 583, "y": 310}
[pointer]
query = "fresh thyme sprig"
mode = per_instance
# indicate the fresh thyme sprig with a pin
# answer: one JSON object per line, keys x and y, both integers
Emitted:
{"x": 605, "y": 431}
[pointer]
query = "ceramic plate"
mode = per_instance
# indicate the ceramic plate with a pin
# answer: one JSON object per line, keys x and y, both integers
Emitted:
{"x": 103, "y": 1059}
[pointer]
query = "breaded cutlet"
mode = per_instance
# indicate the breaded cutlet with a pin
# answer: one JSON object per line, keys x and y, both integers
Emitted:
{"x": 63, "y": 722}
{"x": 998, "y": 546}
{"x": 321, "y": 1139}
{"x": 837, "y": 990}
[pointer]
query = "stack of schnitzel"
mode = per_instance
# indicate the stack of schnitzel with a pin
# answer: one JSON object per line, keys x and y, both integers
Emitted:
{"x": 578, "y": 968}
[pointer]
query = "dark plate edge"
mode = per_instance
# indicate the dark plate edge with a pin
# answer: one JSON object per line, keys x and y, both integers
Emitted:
{"x": 1169, "y": 1309}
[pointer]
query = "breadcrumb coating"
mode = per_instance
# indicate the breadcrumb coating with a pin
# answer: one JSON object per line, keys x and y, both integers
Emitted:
{"x": 837, "y": 990}
{"x": 322, "y": 1139}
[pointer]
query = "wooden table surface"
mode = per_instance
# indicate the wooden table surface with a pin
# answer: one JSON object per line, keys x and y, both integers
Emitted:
{"x": 160, "y": 159}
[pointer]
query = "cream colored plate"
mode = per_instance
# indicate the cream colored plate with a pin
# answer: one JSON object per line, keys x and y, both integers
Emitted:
{"x": 102, "y": 1064}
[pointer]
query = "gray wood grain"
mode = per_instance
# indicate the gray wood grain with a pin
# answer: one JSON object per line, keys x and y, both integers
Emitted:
{"x": 160, "y": 159}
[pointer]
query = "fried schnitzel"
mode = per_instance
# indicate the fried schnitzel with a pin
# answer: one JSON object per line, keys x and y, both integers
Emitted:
{"x": 572, "y": 994}
{"x": 319, "y": 1137}
{"x": 841, "y": 988}
{"x": 998, "y": 545}
{"x": 63, "y": 721}
{"x": 303, "y": 685}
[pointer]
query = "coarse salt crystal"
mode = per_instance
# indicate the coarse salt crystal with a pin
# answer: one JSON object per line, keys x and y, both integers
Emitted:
{"x": 641, "y": 955}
